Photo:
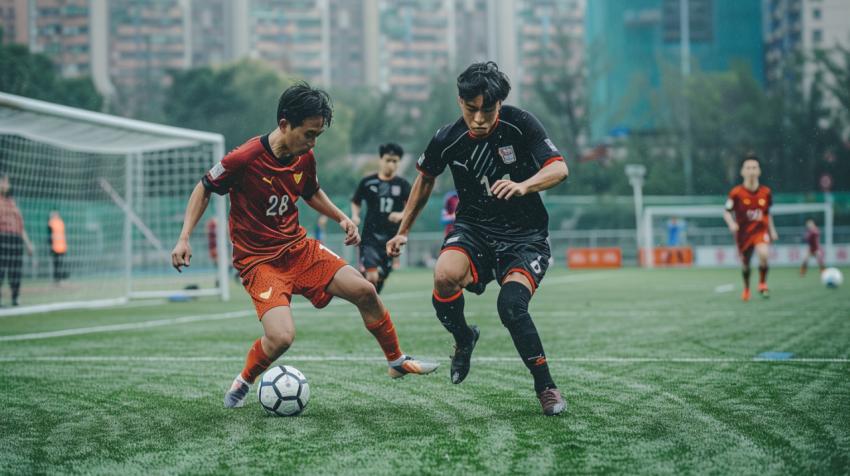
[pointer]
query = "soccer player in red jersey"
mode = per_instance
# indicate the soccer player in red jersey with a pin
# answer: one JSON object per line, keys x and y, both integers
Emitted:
{"x": 752, "y": 224}
{"x": 265, "y": 177}
{"x": 812, "y": 237}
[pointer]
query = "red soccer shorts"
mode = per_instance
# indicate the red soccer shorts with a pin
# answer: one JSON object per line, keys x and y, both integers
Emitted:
{"x": 306, "y": 269}
{"x": 750, "y": 241}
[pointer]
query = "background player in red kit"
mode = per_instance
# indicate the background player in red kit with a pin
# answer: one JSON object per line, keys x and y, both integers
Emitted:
{"x": 812, "y": 237}
{"x": 752, "y": 224}
{"x": 265, "y": 177}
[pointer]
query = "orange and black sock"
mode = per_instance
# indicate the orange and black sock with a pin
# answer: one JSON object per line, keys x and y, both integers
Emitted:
{"x": 450, "y": 313}
{"x": 746, "y": 274}
{"x": 762, "y": 274}
{"x": 257, "y": 362}
{"x": 384, "y": 332}
{"x": 513, "y": 310}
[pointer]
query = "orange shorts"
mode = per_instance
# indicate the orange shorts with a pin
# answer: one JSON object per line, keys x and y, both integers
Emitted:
{"x": 306, "y": 269}
{"x": 746, "y": 242}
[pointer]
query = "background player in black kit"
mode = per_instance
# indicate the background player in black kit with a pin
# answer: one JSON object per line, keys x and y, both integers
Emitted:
{"x": 385, "y": 195}
{"x": 500, "y": 157}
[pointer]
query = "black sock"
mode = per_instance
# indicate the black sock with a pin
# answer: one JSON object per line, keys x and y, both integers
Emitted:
{"x": 746, "y": 274}
{"x": 513, "y": 310}
{"x": 379, "y": 285}
{"x": 450, "y": 313}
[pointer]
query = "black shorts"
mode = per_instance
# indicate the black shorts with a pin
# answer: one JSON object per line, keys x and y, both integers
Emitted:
{"x": 495, "y": 258}
{"x": 373, "y": 257}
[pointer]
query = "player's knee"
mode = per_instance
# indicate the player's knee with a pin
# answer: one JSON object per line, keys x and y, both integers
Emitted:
{"x": 366, "y": 296}
{"x": 513, "y": 304}
{"x": 444, "y": 284}
{"x": 280, "y": 341}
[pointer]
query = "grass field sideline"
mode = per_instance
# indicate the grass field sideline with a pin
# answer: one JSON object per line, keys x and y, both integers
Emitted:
{"x": 657, "y": 368}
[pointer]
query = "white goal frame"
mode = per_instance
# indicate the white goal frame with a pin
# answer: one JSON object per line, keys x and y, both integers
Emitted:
{"x": 717, "y": 211}
{"x": 79, "y": 130}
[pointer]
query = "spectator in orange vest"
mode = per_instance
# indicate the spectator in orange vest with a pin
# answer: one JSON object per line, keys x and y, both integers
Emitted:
{"x": 58, "y": 244}
{"x": 13, "y": 239}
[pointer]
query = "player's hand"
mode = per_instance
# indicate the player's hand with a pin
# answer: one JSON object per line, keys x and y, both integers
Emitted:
{"x": 30, "y": 249}
{"x": 507, "y": 189}
{"x": 774, "y": 235}
{"x": 352, "y": 237}
{"x": 394, "y": 245}
{"x": 733, "y": 227}
{"x": 395, "y": 217}
{"x": 356, "y": 220}
{"x": 181, "y": 255}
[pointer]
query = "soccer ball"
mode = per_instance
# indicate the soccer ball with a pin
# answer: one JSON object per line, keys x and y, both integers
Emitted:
{"x": 831, "y": 277}
{"x": 284, "y": 391}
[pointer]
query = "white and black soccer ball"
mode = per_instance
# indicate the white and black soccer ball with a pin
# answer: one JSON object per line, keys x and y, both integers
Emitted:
{"x": 831, "y": 277}
{"x": 283, "y": 391}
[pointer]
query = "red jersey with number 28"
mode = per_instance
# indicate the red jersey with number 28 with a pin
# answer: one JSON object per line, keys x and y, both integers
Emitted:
{"x": 751, "y": 210}
{"x": 263, "y": 191}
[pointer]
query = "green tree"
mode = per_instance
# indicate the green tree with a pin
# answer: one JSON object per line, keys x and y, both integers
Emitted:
{"x": 35, "y": 76}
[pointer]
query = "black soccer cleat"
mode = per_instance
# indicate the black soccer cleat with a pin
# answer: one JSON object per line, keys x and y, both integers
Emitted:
{"x": 461, "y": 357}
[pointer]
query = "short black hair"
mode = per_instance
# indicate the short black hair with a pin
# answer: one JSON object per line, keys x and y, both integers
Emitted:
{"x": 390, "y": 148}
{"x": 300, "y": 102}
{"x": 484, "y": 79}
{"x": 750, "y": 156}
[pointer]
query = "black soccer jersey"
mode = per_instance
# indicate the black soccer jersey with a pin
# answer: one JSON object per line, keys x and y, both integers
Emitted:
{"x": 515, "y": 150}
{"x": 382, "y": 198}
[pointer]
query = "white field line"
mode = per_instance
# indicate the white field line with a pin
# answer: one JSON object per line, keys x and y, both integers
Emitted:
{"x": 724, "y": 288}
{"x": 235, "y": 314}
{"x": 306, "y": 358}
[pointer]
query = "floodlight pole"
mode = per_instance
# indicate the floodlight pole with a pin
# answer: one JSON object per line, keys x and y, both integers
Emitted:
{"x": 685, "y": 39}
{"x": 636, "y": 173}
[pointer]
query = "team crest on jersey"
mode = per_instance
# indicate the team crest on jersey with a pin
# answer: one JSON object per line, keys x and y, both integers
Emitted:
{"x": 298, "y": 177}
{"x": 507, "y": 154}
{"x": 395, "y": 190}
{"x": 762, "y": 201}
{"x": 746, "y": 201}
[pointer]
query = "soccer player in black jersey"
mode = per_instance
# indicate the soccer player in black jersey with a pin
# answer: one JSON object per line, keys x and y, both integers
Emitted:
{"x": 385, "y": 194}
{"x": 500, "y": 158}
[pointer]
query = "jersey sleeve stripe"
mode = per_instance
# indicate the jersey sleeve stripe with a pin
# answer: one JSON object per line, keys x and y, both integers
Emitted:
{"x": 424, "y": 172}
{"x": 552, "y": 160}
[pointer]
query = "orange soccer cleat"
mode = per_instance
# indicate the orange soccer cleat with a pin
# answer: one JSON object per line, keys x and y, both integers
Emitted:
{"x": 746, "y": 295}
{"x": 765, "y": 293}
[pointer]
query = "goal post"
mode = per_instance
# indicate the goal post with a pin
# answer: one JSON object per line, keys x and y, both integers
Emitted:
{"x": 120, "y": 188}
{"x": 649, "y": 213}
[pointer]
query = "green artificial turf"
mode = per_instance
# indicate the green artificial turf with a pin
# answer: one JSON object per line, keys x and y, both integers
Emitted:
{"x": 657, "y": 368}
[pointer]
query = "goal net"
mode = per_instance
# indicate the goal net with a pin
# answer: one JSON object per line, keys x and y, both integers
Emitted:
{"x": 101, "y": 200}
{"x": 716, "y": 247}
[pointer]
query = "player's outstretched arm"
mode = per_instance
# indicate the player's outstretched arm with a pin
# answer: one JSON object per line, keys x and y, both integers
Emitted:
{"x": 730, "y": 222}
{"x": 419, "y": 195}
{"x": 544, "y": 179}
{"x": 198, "y": 203}
{"x": 322, "y": 204}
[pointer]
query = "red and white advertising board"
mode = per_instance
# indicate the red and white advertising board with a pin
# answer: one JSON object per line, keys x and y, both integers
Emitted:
{"x": 594, "y": 258}
{"x": 780, "y": 255}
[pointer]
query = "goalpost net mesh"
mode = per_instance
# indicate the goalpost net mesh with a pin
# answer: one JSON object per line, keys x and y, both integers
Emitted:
{"x": 122, "y": 214}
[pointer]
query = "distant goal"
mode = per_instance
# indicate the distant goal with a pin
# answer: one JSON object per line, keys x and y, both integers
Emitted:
{"x": 647, "y": 231}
